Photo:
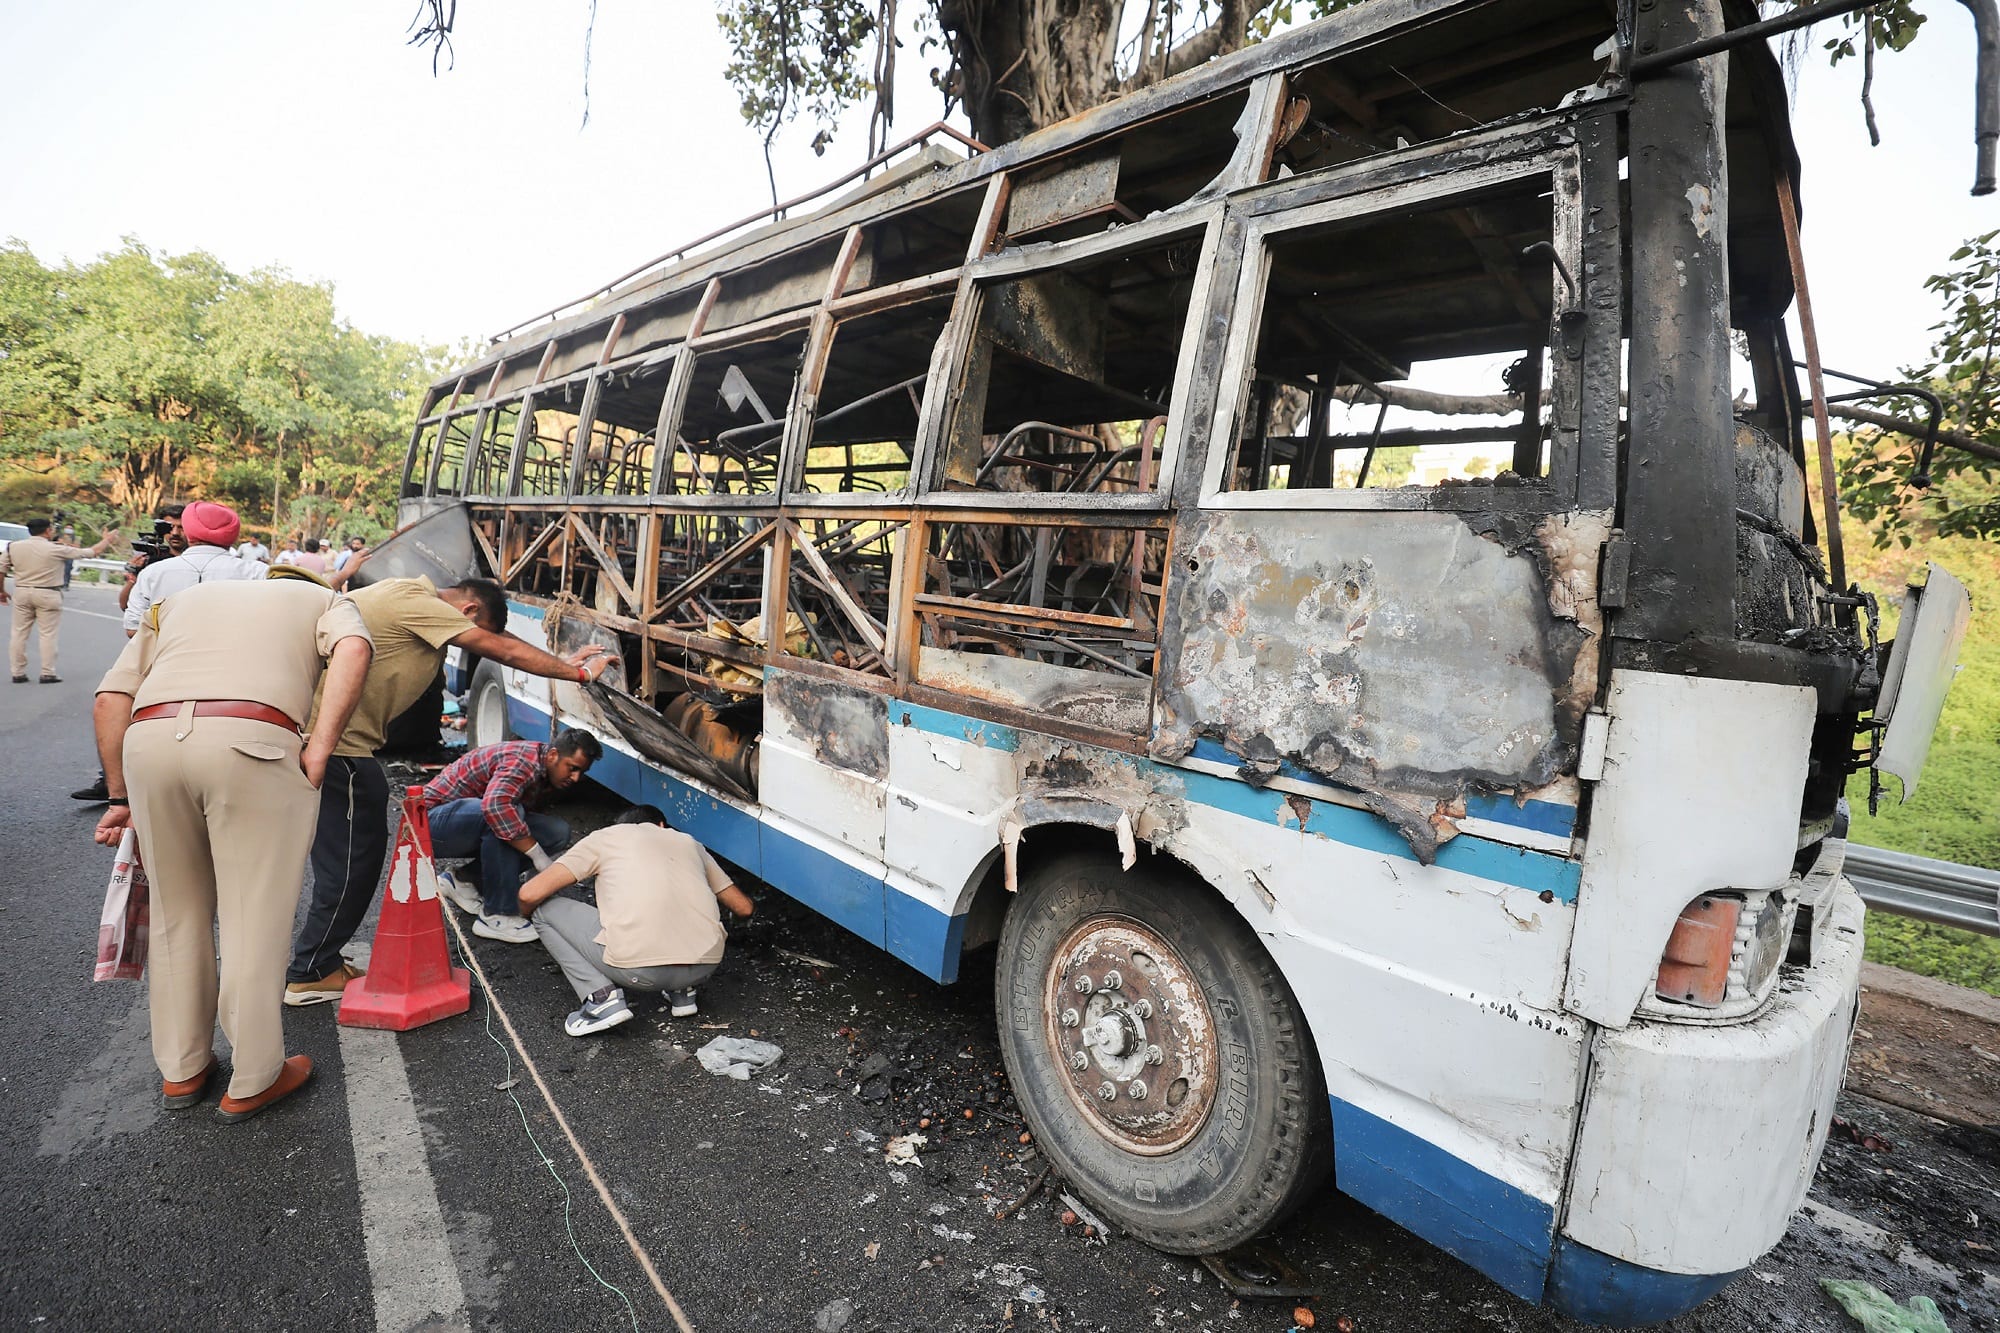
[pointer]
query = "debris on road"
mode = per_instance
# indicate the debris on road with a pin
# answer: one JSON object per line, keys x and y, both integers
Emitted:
{"x": 903, "y": 1148}
{"x": 1853, "y": 1133}
{"x": 1034, "y": 1186}
{"x": 833, "y": 1316}
{"x": 738, "y": 1057}
{"x": 1092, "y": 1228}
{"x": 1877, "y": 1313}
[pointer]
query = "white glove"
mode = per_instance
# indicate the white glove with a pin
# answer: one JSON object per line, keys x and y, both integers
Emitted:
{"x": 542, "y": 860}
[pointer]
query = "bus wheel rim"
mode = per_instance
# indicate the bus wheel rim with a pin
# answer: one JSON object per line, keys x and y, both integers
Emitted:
{"x": 1131, "y": 1033}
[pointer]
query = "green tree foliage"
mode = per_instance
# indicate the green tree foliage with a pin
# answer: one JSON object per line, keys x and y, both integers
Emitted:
{"x": 1963, "y": 499}
{"x": 1012, "y": 67}
{"x": 139, "y": 378}
{"x": 1015, "y": 67}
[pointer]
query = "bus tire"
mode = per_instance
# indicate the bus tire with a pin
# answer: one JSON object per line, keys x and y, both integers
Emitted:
{"x": 486, "y": 707}
{"x": 1111, "y": 981}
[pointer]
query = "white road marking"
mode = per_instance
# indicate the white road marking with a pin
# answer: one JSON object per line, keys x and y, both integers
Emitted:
{"x": 79, "y": 611}
{"x": 409, "y": 1258}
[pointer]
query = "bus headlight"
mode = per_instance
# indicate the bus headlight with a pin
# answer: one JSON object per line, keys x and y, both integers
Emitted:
{"x": 1721, "y": 961}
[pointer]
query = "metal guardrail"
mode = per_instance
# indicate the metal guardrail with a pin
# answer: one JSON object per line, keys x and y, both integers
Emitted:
{"x": 1943, "y": 892}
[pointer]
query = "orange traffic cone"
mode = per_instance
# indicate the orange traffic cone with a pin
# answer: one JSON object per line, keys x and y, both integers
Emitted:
{"x": 410, "y": 979}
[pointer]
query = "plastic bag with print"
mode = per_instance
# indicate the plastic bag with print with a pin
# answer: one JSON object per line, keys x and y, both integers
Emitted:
{"x": 121, "y": 930}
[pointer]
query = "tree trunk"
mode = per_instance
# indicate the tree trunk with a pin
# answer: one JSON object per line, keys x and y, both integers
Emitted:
{"x": 1025, "y": 65}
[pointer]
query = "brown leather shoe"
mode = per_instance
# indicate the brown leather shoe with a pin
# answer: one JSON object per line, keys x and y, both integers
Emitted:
{"x": 179, "y": 1094}
{"x": 291, "y": 1077}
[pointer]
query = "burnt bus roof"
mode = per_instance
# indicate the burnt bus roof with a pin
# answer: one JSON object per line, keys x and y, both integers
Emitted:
{"x": 1378, "y": 76}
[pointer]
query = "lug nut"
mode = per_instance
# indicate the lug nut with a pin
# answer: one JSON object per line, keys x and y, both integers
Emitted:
{"x": 1112, "y": 980}
{"x": 1079, "y": 1061}
{"x": 1083, "y": 986}
{"x": 1070, "y": 1018}
{"x": 1108, "y": 1091}
{"x": 1142, "y": 1008}
{"x": 1154, "y": 1055}
{"x": 1136, "y": 1091}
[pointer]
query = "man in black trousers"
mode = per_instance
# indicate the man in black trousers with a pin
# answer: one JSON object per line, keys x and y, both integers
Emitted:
{"x": 412, "y": 624}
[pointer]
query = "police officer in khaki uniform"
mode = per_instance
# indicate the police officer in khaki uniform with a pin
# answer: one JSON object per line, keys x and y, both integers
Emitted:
{"x": 37, "y": 566}
{"x": 412, "y": 622}
{"x": 199, "y": 720}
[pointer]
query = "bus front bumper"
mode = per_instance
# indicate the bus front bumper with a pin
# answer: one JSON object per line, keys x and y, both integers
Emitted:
{"x": 1699, "y": 1142}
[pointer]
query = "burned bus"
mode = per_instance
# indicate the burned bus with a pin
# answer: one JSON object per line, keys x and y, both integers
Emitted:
{"x": 1055, "y": 547}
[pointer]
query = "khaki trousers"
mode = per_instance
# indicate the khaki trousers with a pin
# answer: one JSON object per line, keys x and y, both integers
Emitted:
{"x": 225, "y": 817}
{"x": 35, "y": 608}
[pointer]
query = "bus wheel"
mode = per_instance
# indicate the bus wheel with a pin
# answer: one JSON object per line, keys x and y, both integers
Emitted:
{"x": 486, "y": 708}
{"x": 1158, "y": 1054}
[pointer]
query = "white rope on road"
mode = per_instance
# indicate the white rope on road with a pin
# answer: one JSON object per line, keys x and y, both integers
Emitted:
{"x": 562, "y": 1123}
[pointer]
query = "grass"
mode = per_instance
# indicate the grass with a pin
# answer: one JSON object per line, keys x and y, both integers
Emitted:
{"x": 1955, "y": 814}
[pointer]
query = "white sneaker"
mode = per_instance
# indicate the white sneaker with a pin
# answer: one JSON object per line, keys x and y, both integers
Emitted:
{"x": 462, "y": 897}
{"x": 506, "y": 929}
{"x": 595, "y": 1015}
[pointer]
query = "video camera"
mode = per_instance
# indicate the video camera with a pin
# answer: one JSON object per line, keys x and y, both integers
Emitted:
{"x": 145, "y": 549}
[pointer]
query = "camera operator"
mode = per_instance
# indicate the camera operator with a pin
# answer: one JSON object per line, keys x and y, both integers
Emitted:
{"x": 208, "y": 531}
{"x": 164, "y": 543}
{"x": 167, "y": 541}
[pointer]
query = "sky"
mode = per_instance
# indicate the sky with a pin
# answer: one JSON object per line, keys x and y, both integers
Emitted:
{"x": 443, "y": 207}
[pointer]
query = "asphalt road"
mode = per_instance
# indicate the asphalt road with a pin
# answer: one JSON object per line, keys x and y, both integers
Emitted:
{"x": 403, "y": 1189}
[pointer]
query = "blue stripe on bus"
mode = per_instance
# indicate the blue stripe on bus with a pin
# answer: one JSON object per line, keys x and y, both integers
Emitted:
{"x": 841, "y": 892}
{"x": 1504, "y": 1232}
{"x": 937, "y": 722}
{"x": 1550, "y": 817}
{"x": 922, "y": 936}
{"x": 1537, "y": 872}
{"x": 1599, "y": 1288}
{"x": 528, "y": 722}
{"x": 925, "y": 938}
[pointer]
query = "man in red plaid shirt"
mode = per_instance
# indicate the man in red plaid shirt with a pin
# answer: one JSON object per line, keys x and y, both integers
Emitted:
{"x": 480, "y": 806}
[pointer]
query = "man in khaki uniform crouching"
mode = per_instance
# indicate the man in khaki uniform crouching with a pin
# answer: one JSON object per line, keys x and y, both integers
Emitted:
{"x": 199, "y": 720}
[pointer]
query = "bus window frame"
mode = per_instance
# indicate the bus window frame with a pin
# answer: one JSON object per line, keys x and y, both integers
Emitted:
{"x": 688, "y": 355}
{"x": 517, "y": 399}
{"x": 1371, "y": 187}
{"x": 1205, "y": 220}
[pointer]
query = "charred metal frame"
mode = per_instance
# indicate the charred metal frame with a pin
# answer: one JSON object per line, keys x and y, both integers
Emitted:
{"x": 1656, "y": 558}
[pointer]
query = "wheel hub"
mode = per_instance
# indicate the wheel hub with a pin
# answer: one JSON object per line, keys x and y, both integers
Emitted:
{"x": 1129, "y": 1027}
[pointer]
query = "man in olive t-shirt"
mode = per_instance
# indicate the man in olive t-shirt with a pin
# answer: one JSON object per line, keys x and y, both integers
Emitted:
{"x": 412, "y": 623}
{"x": 656, "y": 925}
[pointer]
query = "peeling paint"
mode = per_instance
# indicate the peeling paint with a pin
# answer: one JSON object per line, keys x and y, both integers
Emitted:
{"x": 1701, "y": 209}
{"x": 1415, "y": 658}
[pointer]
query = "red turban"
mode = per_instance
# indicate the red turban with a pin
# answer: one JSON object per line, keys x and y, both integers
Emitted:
{"x": 210, "y": 524}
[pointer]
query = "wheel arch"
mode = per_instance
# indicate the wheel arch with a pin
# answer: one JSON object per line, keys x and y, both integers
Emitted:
{"x": 1093, "y": 826}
